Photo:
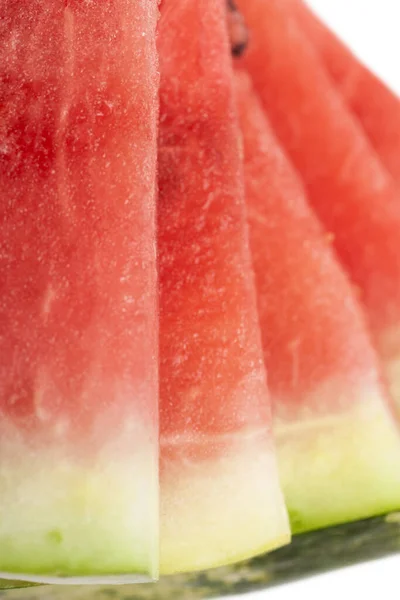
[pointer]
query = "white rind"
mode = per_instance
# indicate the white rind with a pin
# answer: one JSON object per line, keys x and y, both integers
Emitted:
{"x": 222, "y": 509}
{"x": 71, "y": 518}
{"x": 340, "y": 467}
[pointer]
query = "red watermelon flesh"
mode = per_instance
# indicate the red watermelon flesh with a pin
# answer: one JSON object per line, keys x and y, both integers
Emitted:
{"x": 349, "y": 188}
{"x": 374, "y": 103}
{"x": 78, "y": 344}
{"x": 220, "y": 496}
{"x": 337, "y": 443}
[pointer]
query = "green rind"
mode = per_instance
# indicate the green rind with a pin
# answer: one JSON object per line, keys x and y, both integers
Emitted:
{"x": 308, "y": 554}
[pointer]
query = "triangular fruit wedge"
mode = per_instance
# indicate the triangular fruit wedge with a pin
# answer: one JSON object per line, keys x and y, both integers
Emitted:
{"x": 220, "y": 496}
{"x": 337, "y": 442}
{"x": 348, "y": 186}
{"x": 78, "y": 308}
{"x": 373, "y": 102}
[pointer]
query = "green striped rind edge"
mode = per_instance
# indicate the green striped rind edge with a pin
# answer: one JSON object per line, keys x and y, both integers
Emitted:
{"x": 309, "y": 553}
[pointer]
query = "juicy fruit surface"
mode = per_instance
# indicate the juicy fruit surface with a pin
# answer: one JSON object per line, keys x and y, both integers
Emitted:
{"x": 78, "y": 350}
{"x": 337, "y": 444}
{"x": 347, "y": 185}
{"x": 220, "y": 499}
{"x": 374, "y": 104}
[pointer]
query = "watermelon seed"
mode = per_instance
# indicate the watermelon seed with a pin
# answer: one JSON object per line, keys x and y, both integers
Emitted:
{"x": 238, "y": 32}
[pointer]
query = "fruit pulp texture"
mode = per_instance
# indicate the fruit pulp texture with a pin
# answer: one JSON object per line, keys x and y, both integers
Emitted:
{"x": 337, "y": 442}
{"x": 78, "y": 307}
{"x": 371, "y": 100}
{"x": 220, "y": 496}
{"x": 347, "y": 185}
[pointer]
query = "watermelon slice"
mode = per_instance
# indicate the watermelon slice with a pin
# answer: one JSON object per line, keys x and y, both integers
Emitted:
{"x": 221, "y": 499}
{"x": 348, "y": 187}
{"x": 337, "y": 443}
{"x": 78, "y": 344}
{"x": 377, "y": 107}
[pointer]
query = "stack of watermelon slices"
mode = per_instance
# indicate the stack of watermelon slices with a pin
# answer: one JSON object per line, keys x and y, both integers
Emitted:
{"x": 200, "y": 286}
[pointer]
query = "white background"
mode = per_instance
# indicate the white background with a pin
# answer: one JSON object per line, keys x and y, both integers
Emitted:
{"x": 372, "y": 29}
